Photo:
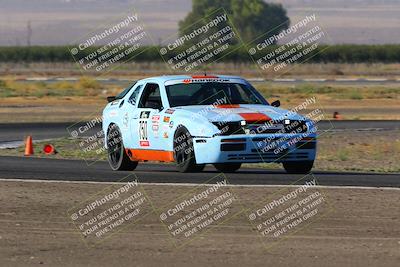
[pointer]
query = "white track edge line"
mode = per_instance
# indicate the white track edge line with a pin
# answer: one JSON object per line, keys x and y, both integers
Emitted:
{"x": 194, "y": 184}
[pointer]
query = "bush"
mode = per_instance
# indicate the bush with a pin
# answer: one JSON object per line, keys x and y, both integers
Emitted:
{"x": 327, "y": 54}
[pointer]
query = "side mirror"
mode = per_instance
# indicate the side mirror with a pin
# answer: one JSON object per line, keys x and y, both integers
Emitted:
{"x": 110, "y": 98}
{"x": 276, "y": 103}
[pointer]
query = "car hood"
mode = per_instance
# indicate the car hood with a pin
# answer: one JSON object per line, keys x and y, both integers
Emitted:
{"x": 249, "y": 113}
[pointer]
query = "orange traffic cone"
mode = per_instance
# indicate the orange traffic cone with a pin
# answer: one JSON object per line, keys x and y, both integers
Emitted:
{"x": 28, "y": 146}
{"x": 337, "y": 116}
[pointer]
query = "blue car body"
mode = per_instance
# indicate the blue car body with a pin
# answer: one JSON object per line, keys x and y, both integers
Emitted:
{"x": 221, "y": 132}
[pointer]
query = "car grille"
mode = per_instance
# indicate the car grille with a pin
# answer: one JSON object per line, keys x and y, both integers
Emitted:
{"x": 295, "y": 126}
{"x": 229, "y": 128}
{"x": 232, "y": 128}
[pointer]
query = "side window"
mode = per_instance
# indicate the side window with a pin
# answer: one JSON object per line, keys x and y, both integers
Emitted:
{"x": 134, "y": 96}
{"x": 151, "y": 97}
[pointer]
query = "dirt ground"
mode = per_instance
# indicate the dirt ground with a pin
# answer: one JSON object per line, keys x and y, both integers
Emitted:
{"x": 362, "y": 228}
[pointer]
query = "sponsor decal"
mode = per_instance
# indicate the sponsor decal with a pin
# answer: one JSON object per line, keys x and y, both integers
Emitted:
{"x": 155, "y": 118}
{"x": 171, "y": 124}
{"x": 165, "y": 127}
{"x": 205, "y": 80}
{"x": 144, "y": 114}
{"x": 165, "y": 135}
{"x": 155, "y": 129}
{"x": 113, "y": 113}
{"x": 170, "y": 111}
{"x": 166, "y": 119}
{"x": 144, "y": 143}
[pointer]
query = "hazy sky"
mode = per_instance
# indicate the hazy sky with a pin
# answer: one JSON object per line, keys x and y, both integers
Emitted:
{"x": 55, "y": 22}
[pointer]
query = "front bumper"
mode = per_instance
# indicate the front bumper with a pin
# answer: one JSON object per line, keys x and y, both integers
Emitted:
{"x": 255, "y": 148}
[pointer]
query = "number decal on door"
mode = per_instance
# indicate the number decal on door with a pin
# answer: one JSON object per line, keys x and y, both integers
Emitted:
{"x": 143, "y": 136}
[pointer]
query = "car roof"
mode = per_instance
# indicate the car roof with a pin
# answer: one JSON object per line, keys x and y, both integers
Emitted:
{"x": 165, "y": 78}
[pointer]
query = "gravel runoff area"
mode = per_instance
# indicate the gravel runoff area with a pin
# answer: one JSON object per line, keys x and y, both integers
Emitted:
{"x": 359, "y": 227}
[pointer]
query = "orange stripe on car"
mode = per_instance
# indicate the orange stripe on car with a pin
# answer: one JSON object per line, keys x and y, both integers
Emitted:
{"x": 151, "y": 155}
{"x": 255, "y": 117}
{"x": 228, "y": 106}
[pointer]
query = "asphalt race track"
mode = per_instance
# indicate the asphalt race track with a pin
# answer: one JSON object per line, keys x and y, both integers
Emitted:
{"x": 18, "y": 131}
{"x": 78, "y": 170}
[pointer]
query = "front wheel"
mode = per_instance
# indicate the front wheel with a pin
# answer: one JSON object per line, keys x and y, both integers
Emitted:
{"x": 298, "y": 167}
{"x": 184, "y": 152}
{"x": 117, "y": 157}
{"x": 227, "y": 167}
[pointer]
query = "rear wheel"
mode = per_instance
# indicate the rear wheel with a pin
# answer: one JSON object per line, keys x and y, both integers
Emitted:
{"x": 184, "y": 152}
{"x": 117, "y": 157}
{"x": 299, "y": 167}
{"x": 227, "y": 167}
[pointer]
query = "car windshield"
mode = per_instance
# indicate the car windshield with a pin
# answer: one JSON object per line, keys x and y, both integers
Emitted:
{"x": 124, "y": 92}
{"x": 208, "y": 93}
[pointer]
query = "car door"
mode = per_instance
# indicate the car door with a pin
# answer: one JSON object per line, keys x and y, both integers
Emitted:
{"x": 128, "y": 113}
{"x": 146, "y": 121}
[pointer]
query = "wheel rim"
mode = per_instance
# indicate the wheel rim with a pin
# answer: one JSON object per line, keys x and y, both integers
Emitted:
{"x": 114, "y": 148}
{"x": 181, "y": 144}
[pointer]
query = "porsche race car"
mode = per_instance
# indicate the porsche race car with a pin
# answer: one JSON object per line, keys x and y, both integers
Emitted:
{"x": 199, "y": 120}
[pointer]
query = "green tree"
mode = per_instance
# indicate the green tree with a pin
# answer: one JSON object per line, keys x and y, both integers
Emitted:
{"x": 252, "y": 18}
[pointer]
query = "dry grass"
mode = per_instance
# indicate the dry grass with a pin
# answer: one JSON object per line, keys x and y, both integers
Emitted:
{"x": 73, "y": 101}
{"x": 346, "y": 151}
{"x": 146, "y": 69}
{"x": 355, "y": 151}
{"x": 331, "y": 91}
{"x": 366, "y": 151}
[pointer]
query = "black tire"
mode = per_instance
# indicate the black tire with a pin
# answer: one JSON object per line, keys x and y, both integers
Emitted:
{"x": 117, "y": 157}
{"x": 298, "y": 167}
{"x": 227, "y": 167}
{"x": 184, "y": 152}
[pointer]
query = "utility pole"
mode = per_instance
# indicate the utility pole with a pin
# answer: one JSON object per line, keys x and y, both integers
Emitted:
{"x": 29, "y": 36}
